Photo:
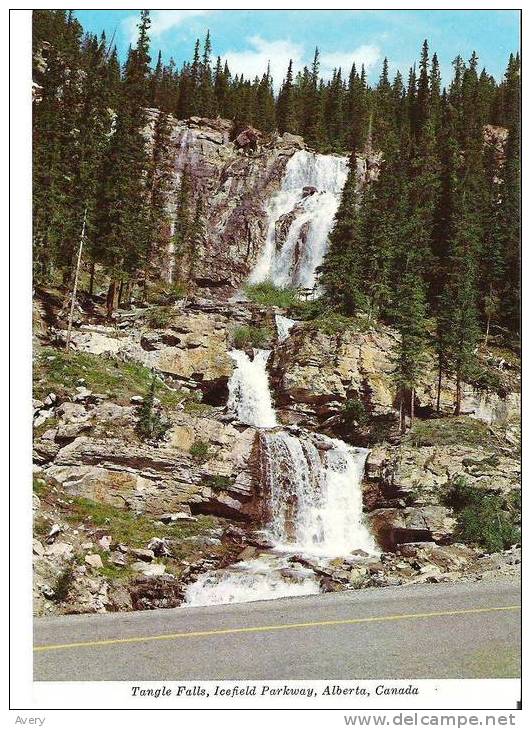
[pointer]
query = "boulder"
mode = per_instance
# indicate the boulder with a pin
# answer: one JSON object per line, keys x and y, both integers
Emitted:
{"x": 397, "y": 526}
{"x": 149, "y": 570}
{"x": 146, "y": 555}
{"x": 94, "y": 560}
{"x": 249, "y": 138}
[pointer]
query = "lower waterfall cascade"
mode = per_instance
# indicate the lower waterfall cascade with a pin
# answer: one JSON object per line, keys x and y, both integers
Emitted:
{"x": 312, "y": 490}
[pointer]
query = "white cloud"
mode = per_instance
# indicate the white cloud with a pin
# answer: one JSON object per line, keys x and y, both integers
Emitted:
{"x": 367, "y": 54}
{"x": 161, "y": 22}
{"x": 253, "y": 60}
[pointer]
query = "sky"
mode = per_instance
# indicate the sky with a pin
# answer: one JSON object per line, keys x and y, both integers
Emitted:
{"x": 248, "y": 39}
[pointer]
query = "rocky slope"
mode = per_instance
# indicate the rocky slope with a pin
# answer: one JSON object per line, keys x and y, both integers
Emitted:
{"x": 124, "y": 522}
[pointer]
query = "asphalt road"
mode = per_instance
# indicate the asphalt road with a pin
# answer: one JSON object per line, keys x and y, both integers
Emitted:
{"x": 462, "y": 630}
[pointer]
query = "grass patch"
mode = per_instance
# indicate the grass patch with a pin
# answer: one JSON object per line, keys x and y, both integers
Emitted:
{"x": 60, "y": 371}
{"x": 193, "y": 406}
{"x": 460, "y": 430}
{"x": 40, "y": 485}
{"x": 246, "y": 336}
{"x": 483, "y": 518}
{"x": 267, "y": 294}
{"x": 41, "y": 526}
{"x": 129, "y": 528}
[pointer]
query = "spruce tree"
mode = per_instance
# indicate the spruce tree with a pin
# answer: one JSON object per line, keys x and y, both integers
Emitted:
{"x": 286, "y": 120}
{"x": 410, "y": 319}
{"x": 342, "y": 273}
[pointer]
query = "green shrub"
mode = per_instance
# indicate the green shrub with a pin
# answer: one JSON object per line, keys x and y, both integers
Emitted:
{"x": 159, "y": 317}
{"x": 167, "y": 293}
{"x": 307, "y": 310}
{"x": 483, "y": 518}
{"x": 199, "y": 450}
{"x": 267, "y": 294}
{"x": 484, "y": 378}
{"x": 219, "y": 482}
{"x": 246, "y": 336}
{"x": 151, "y": 424}
{"x": 354, "y": 412}
{"x": 63, "y": 584}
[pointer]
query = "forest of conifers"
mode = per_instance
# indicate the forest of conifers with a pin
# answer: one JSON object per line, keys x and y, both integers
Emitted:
{"x": 432, "y": 247}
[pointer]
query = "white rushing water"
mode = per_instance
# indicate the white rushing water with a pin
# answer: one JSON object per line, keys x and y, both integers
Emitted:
{"x": 315, "y": 496}
{"x": 295, "y": 261}
{"x": 249, "y": 395}
{"x": 284, "y": 326}
{"x": 311, "y": 483}
{"x": 257, "y": 579}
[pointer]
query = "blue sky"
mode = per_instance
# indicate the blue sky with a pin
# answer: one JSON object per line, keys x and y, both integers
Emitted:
{"x": 249, "y": 38}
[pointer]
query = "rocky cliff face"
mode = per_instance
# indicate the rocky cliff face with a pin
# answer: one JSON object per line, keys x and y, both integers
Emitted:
{"x": 124, "y": 522}
{"x": 316, "y": 373}
{"x": 235, "y": 179}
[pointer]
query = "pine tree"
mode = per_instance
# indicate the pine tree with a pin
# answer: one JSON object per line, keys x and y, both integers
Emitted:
{"x": 122, "y": 222}
{"x": 286, "y": 121}
{"x": 342, "y": 271}
{"x": 422, "y": 107}
{"x": 410, "y": 319}
{"x": 458, "y": 330}
{"x": 159, "y": 182}
{"x": 182, "y": 223}
{"x": 206, "y": 100}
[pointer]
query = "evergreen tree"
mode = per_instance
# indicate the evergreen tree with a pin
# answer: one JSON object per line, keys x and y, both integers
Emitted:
{"x": 286, "y": 121}
{"x": 410, "y": 353}
{"x": 342, "y": 273}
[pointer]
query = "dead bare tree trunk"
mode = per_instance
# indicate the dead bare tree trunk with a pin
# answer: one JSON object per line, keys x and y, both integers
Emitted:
{"x": 412, "y": 409}
{"x": 76, "y": 279}
{"x": 487, "y": 332}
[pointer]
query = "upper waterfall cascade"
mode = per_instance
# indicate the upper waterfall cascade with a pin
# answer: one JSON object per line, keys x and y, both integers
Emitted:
{"x": 307, "y": 201}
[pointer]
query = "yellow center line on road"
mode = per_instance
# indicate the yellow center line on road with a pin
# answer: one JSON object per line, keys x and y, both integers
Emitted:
{"x": 266, "y": 628}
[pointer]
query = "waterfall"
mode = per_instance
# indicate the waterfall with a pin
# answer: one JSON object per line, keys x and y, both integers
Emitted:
{"x": 284, "y": 326}
{"x": 315, "y": 497}
{"x": 249, "y": 395}
{"x": 312, "y": 488}
{"x": 306, "y": 203}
